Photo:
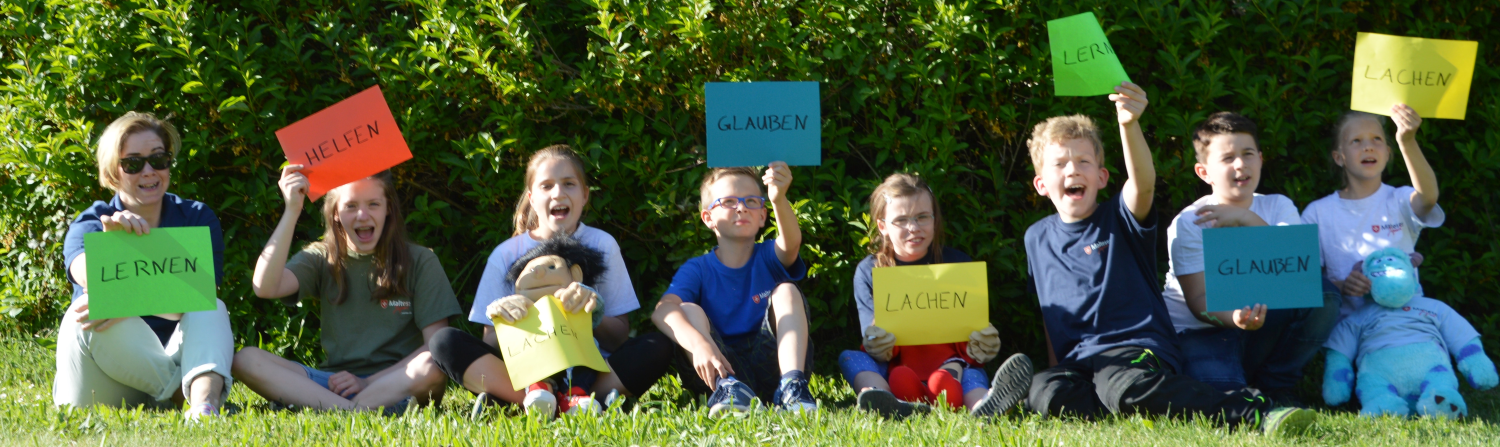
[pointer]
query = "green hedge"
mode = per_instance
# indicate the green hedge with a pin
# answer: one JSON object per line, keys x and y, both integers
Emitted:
{"x": 947, "y": 89}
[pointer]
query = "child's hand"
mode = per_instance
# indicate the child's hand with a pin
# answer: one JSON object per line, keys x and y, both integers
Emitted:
{"x": 1130, "y": 102}
{"x": 879, "y": 343}
{"x": 293, "y": 186}
{"x": 575, "y": 297}
{"x": 508, "y": 310}
{"x": 346, "y": 384}
{"x": 1356, "y": 284}
{"x": 1224, "y": 216}
{"x": 711, "y": 366}
{"x": 1416, "y": 259}
{"x": 1407, "y": 121}
{"x": 984, "y": 344}
{"x": 1251, "y": 317}
{"x": 777, "y": 179}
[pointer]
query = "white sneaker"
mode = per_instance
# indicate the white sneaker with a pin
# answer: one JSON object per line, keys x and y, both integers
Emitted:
{"x": 583, "y": 405}
{"x": 540, "y": 400}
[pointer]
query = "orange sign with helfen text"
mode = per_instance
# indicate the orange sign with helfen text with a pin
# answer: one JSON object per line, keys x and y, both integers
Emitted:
{"x": 348, "y": 141}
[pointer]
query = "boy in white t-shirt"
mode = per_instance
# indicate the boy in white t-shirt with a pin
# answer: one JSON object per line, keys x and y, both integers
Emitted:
{"x": 1251, "y": 346}
{"x": 1367, "y": 214}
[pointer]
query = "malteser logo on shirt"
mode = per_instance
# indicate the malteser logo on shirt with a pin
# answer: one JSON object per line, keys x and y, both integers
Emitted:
{"x": 1097, "y": 246}
{"x": 1388, "y": 228}
{"x": 761, "y": 296}
{"x": 398, "y": 307}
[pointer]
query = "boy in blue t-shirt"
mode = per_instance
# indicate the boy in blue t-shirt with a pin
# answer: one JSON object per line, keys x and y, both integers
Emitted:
{"x": 1094, "y": 268}
{"x": 735, "y": 312}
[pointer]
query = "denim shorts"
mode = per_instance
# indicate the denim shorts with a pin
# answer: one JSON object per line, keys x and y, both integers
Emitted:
{"x": 320, "y": 377}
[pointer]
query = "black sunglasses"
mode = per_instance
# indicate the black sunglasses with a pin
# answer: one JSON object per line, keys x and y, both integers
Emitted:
{"x": 160, "y": 161}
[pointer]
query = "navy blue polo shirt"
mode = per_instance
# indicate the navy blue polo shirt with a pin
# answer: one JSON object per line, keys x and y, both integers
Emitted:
{"x": 1097, "y": 284}
{"x": 175, "y": 212}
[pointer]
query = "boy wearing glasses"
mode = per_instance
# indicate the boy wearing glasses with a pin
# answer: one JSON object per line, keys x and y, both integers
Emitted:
{"x": 735, "y": 312}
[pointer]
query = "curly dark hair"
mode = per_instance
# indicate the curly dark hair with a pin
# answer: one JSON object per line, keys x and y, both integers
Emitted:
{"x": 571, "y": 250}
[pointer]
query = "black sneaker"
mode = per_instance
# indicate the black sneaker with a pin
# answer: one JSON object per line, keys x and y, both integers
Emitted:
{"x": 886, "y": 405}
{"x": 1011, "y": 383}
{"x": 1282, "y": 397}
{"x": 732, "y": 396}
{"x": 793, "y": 396}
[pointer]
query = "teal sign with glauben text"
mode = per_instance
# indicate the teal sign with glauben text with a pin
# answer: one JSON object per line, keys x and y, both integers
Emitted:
{"x": 1280, "y": 267}
{"x": 756, "y": 123}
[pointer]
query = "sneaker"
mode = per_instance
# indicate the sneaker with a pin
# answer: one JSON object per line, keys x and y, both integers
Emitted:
{"x": 398, "y": 408}
{"x": 793, "y": 396}
{"x": 1011, "y": 383}
{"x": 578, "y": 402}
{"x": 539, "y": 400}
{"x": 1285, "y": 421}
{"x": 886, "y": 405}
{"x": 199, "y": 412}
{"x": 1282, "y": 397}
{"x": 733, "y": 396}
{"x": 482, "y": 402}
{"x": 614, "y": 402}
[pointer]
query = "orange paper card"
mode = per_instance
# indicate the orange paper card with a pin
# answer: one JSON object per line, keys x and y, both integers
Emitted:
{"x": 348, "y": 141}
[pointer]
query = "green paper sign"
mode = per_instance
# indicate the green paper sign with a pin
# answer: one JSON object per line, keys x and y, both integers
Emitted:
{"x": 1083, "y": 62}
{"x": 168, "y": 271}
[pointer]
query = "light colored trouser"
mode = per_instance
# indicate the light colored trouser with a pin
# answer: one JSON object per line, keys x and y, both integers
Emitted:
{"x": 127, "y": 365}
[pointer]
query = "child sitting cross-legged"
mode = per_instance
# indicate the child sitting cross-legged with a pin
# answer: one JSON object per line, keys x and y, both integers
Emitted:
{"x": 1228, "y": 350}
{"x": 891, "y": 379}
{"x": 740, "y": 321}
{"x": 1094, "y": 268}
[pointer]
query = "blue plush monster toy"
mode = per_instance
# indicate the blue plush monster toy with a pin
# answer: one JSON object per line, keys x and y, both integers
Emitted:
{"x": 1401, "y": 343}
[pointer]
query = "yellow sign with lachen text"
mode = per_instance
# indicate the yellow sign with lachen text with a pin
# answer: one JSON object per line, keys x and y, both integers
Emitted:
{"x": 931, "y": 304}
{"x": 1430, "y": 75}
{"x": 547, "y": 341}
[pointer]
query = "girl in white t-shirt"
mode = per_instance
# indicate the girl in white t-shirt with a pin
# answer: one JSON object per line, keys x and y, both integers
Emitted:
{"x": 556, "y": 193}
{"x": 1367, "y": 214}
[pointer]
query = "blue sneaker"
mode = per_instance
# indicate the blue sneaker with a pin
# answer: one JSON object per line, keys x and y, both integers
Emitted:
{"x": 732, "y": 395}
{"x": 793, "y": 396}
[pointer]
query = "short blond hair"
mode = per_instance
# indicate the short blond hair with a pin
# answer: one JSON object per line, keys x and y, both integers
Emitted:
{"x": 718, "y": 173}
{"x": 1058, "y": 129}
{"x": 113, "y": 141}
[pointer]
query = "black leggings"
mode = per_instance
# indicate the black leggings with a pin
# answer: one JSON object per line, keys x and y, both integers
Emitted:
{"x": 639, "y": 362}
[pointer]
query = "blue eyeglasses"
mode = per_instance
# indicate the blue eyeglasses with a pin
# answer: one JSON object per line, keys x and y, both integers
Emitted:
{"x": 732, "y": 202}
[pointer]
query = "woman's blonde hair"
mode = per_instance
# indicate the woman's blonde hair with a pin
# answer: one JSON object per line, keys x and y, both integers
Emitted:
{"x": 526, "y": 219}
{"x": 902, "y": 185}
{"x": 113, "y": 140}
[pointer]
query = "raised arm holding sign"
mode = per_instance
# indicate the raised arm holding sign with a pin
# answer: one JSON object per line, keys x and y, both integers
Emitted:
{"x": 348, "y": 141}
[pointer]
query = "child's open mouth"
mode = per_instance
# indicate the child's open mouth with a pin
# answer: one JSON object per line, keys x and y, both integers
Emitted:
{"x": 559, "y": 212}
{"x": 1367, "y": 161}
{"x": 364, "y": 233}
{"x": 1075, "y": 192}
{"x": 1242, "y": 180}
{"x": 916, "y": 241}
{"x": 150, "y": 188}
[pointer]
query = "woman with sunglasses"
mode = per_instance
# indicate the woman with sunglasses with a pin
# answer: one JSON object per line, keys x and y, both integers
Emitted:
{"x": 154, "y": 360}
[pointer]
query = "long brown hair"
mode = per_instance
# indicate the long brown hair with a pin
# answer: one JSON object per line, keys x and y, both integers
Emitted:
{"x": 902, "y": 185}
{"x": 526, "y": 219}
{"x": 392, "y": 256}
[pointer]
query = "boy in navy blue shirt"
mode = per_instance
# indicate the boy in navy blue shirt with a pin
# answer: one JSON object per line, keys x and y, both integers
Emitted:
{"x": 1094, "y": 268}
{"x": 735, "y": 312}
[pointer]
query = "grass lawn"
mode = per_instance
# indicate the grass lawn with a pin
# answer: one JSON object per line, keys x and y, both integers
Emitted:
{"x": 664, "y": 417}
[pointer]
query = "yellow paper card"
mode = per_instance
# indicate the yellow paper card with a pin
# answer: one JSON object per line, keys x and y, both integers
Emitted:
{"x": 930, "y": 304}
{"x": 1430, "y": 75}
{"x": 547, "y": 341}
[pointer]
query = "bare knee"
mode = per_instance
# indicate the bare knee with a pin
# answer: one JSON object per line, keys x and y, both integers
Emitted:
{"x": 426, "y": 378}
{"x": 787, "y": 296}
{"x": 246, "y": 361}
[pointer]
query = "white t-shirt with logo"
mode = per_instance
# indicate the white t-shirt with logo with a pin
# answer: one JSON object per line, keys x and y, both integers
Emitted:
{"x": 1349, "y": 230}
{"x": 1185, "y": 248}
{"x": 616, "y": 292}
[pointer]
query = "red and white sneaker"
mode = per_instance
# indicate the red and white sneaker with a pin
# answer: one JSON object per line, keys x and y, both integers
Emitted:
{"x": 539, "y": 400}
{"x": 578, "y": 402}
